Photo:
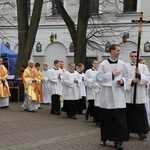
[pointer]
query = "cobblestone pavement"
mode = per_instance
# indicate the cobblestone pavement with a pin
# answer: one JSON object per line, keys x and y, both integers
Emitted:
{"x": 21, "y": 130}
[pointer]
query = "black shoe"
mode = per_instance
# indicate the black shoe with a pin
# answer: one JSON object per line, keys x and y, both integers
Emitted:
{"x": 118, "y": 145}
{"x": 103, "y": 143}
{"x": 86, "y": 116}
{"x": 96, "y": 122}
{"x": 69, "y": 116}
{"x": 39, "y": 108}
{"x": 73, "y": 117}
{"x": 31, "y": 111}
{"x": 142, "y": 136}
{"x": 57, "y": 113}
{"x": 26, "y": 109}
{"x": 4, "y": 107}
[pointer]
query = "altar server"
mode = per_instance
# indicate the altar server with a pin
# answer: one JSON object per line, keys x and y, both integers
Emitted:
{"x": 81, "y": 103}
{"x": 46, "y": 85}
{"x": 136, "y": 112}
{"x": 55, "y": 77}
{"x": 92, "y": 87}
{"x": 112, "y": 76}
{"x": 71, "y": 90}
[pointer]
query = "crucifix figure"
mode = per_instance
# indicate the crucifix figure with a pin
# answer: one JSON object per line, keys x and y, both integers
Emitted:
{"x": 140, "y": 22}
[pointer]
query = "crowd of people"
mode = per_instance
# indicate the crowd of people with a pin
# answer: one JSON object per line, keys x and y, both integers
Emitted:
{"x": 114, "y": 93}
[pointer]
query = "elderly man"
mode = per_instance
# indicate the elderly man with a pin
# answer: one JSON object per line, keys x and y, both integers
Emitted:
{"x": 4, "y": 88}
{"x": 32, "y": 92}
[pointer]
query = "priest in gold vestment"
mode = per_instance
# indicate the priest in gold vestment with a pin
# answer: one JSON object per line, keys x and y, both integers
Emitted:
{"x": 40, "y": 84}
{"x": 32, "y": 92}
{"x": 4, "y": 88}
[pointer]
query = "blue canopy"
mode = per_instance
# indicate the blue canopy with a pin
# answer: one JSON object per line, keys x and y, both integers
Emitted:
{"x": 9, "y": 58}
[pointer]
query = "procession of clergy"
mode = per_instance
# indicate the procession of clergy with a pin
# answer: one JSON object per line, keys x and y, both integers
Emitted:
{"x": 108, "y": 86}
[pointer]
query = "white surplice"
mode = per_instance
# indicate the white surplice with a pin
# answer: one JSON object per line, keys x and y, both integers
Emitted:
{"x": 112, "y": 95}
{"x": 46, "y": 87}
{"x": 147, "y": 104}
{"x": 82, "y": 86}
{"x": 55, "y": 82}
{"x": 144, "y": 79}
{"x": 71, "y": 90}
{"x": 91, "y": 84}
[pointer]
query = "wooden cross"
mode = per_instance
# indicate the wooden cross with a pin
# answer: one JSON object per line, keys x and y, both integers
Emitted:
{"x": 140, "y": 22}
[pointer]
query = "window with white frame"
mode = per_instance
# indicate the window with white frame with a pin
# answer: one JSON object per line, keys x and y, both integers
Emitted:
{"x": 130, "y": 6}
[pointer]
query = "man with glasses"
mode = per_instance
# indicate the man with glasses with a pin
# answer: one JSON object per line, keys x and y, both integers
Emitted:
{"x": 136, "y": 114}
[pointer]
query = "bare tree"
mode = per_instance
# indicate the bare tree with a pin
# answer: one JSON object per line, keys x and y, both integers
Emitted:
{"x": 27, "y": 30}
{"x": 78, "y": 35}
{"x": 91, "y": 27}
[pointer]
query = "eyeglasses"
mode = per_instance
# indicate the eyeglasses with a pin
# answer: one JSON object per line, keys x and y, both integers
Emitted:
{"x": 133, "y": 56}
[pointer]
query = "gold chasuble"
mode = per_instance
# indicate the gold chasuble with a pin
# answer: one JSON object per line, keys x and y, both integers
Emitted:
{"x": 4, "y": 88}
{"x": 40, "y": 85}
{"x": 31, "y": 81}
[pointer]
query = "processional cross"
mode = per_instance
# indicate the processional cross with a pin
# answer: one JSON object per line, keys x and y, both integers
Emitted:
{"x": 140, "y": 22}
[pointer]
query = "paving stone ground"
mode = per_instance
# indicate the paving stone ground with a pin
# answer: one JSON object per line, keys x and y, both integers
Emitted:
{"x": 21, "y": 130}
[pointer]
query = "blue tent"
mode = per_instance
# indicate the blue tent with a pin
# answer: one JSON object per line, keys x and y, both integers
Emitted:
{"x": 9, "y": 58}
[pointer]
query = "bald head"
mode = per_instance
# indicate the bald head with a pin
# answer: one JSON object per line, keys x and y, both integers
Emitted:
{"x": 31, "y": 63}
